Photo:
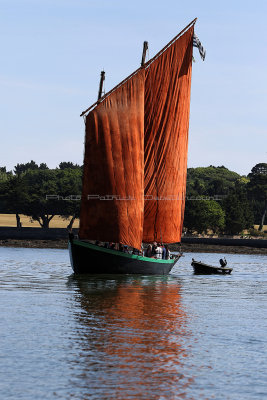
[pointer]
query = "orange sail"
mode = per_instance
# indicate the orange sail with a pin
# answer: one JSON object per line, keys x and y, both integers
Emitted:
{"x": 113, "y": 182}
{"x": 167, "y": 105}
{"x": 135, "y": 158}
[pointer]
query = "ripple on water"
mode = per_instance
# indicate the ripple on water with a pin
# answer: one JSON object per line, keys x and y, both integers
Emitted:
{"x": 131, "y": 337}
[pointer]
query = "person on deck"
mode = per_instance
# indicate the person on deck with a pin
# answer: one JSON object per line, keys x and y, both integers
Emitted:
{"x": 163, "y": 251}
{"x": 158, "y": 252}
{"x": 167, "y": 252}
{"x": 154, "y": 246}
{"x": 135, "y": 252}
{"x": 148, "y": 252}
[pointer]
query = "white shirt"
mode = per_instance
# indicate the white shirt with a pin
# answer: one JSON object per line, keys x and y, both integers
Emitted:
{"x": 158, "y": 251}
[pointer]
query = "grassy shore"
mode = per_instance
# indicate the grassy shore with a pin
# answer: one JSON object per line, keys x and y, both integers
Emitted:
{"x": 57, "y": 222}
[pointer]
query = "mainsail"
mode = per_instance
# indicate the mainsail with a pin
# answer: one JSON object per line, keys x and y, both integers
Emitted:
{"x": 135, "y": 157}
{"x": 167, "y": 105}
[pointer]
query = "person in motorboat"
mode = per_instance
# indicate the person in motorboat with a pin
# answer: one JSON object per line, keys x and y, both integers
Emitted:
{"x": 223, "y": 262}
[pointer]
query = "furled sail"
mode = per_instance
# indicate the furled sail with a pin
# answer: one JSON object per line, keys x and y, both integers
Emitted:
{"x": 167, "y": 106}
{"x": 113, "y": 181}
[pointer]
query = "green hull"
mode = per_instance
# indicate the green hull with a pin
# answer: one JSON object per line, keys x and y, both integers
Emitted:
{"x": 87, "y": 258}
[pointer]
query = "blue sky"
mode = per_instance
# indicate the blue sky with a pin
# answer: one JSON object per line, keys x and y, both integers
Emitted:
{"x": 52, "y": 52}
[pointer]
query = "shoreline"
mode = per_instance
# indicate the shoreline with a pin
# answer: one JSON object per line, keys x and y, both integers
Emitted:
{"x": 186, "y": 247}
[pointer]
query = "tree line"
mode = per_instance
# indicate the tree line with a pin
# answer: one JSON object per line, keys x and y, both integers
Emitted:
{"x": 217, "y": 199}
{"x": 41, "y": 193}
{"x": 225, "y": 202}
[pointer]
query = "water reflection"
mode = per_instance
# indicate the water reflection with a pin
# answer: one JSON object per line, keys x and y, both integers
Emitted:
{"x": 132, "y": 338}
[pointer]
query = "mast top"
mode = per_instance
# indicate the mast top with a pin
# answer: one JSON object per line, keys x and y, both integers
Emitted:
{"x": 102, "y": 78}
{"x": 145, "y": 47}
{"x": 145, "y": 65}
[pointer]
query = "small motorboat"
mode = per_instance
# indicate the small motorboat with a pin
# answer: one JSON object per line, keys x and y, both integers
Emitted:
{"x": 201, "y": 268}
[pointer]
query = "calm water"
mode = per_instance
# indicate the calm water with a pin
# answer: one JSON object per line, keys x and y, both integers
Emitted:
{"x": 176, "y": 337}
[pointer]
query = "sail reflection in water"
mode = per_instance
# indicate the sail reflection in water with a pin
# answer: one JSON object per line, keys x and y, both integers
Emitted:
{"x": 133, "y": 336}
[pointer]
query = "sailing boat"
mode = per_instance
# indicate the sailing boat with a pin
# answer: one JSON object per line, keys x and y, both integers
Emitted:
{"x": 135, "y": 163}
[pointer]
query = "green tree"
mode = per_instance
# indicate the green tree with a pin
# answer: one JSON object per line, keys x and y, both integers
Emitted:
{"x": 257, "y": 190}
{"x": 201, "y": 215}
{"x": 21, "y": 168}
{"x": 43, "y": 166}
{"x": 32, "y": 165}
{"x": 238, "y": 212}
{"x": 68, "y": 165}
{"x": 13, "y": 197}
{"x": 210, "y": 181}
{"x": 41, "y": 207}
{"x": 41, "y": 193}
{"x": 38, "y": 183}
{"x": 50, "y": 193}
{"x": 70, "y": 186}
{"x": 4, "y": 174}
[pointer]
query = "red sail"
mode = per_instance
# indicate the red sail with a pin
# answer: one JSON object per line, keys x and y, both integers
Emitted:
{"x": 167, "y": 104}
{"x": 113, "y": 183}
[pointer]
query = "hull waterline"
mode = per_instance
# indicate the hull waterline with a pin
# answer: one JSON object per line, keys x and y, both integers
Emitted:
{"x": 87, "y": 258}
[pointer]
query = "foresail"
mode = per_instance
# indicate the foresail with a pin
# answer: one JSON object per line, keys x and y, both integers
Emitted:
{"x": 167, "y": 106}
{"x": 113, "y": 181}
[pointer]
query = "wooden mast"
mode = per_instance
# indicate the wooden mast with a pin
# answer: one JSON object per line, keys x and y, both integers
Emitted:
{"x": 145, "y": 47}
{"x": 102, "y": 78}
{"x": 146, "y": 65}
